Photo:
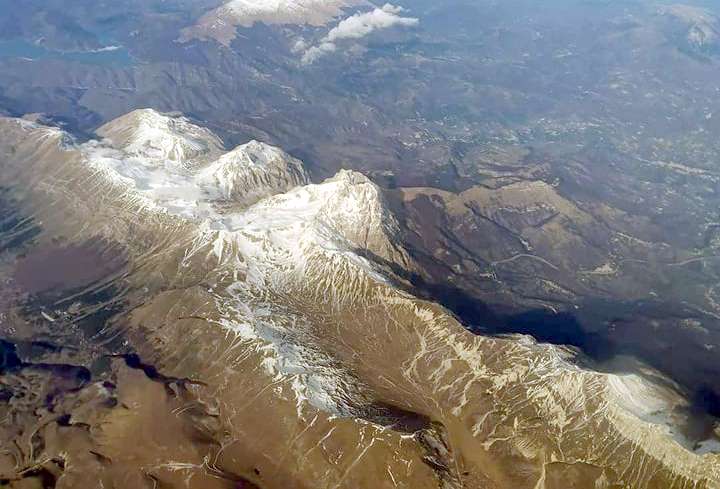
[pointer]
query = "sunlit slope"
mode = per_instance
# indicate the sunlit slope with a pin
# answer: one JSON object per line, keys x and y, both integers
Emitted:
{"x": 318, "y": 370}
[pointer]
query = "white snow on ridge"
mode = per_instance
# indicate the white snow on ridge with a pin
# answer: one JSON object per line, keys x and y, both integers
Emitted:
{"x": 253, "y": 194}
{"x": 182, "y": 168}
{"x": 297, "y": 237}
{"x": 300, "y": 11}
{"x": 220, "y": 23}
{"x": 642, "y": 399}
{"x": 317, "y": 228}
{"x": 334, "y": 218}
{"x": 148, "y": 134}
{"x": 162, "y": 184}
{"x": 251, "y": 172}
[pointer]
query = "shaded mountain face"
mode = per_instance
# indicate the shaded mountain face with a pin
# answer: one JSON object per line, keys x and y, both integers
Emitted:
{"x": 275, "y": 345}
{"x": 308, "y": 251}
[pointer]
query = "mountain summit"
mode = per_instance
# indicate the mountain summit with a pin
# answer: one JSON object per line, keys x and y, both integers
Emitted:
{"x": 146, "y": 133}
{"x": 299, "y": 343}
{"x": 252, "y": 171}
{"x": 220, "y": 23}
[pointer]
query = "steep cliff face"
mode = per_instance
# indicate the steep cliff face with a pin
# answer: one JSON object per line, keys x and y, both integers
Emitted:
{"x": 316, "y": 370}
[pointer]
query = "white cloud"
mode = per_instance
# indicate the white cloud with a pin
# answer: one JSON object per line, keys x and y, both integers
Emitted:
{"x": 358, "y": 26}
{"x": 299, "y": 46}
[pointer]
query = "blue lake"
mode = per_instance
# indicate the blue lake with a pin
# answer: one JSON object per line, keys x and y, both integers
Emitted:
{"x": 18, "y": 48}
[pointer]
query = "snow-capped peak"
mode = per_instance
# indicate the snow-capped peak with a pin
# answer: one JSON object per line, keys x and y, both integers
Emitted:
{"x": 349, "y": 204}
{"x": 355, "y": 207}
{"x": 256, "y": 190}
{"x": 290, "y": 11}
{"x": 342, "y": 215}
{"x": 161, "y": 138}
{"x": 251, "y": 172}
{"x": 254, "y": 153}
{"x": 220, "y": 23}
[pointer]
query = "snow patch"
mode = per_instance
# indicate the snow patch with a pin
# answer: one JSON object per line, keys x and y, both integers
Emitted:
{"x": 160, "y": 138}
{"x": 220, "y": 24}
{"x": 295, "y": 238}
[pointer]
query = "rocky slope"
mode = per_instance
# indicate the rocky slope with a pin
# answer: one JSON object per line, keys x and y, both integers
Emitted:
{"x": 289, "y": 356}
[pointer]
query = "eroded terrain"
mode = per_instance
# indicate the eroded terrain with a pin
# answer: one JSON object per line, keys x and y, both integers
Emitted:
{"x": 277, "y": 349}
{"x": 550, "y": 173}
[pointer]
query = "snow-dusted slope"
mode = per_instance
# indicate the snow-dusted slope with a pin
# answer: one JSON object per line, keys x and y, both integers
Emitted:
{"x": 251, "y": 172}
{"x": 182, "y": 168}
{"x": 308, "y": 350}
{"x": 317, "y": 234}
{"x": 245, "y": 12}
{"x": 348, "y": 207}
{"x": 148, "y": 134}
{"x": 219, "y": 24}
{"x": 298, "y": 227}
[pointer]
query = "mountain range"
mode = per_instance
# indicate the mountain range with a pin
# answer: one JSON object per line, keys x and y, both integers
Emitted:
{"x": 280, "y": 318}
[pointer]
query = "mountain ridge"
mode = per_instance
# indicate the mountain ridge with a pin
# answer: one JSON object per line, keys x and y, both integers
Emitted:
{"x": 355, "y": 363}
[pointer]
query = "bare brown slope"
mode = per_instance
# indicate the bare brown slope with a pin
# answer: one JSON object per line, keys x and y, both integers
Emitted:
{"x": 378, "y": 389}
